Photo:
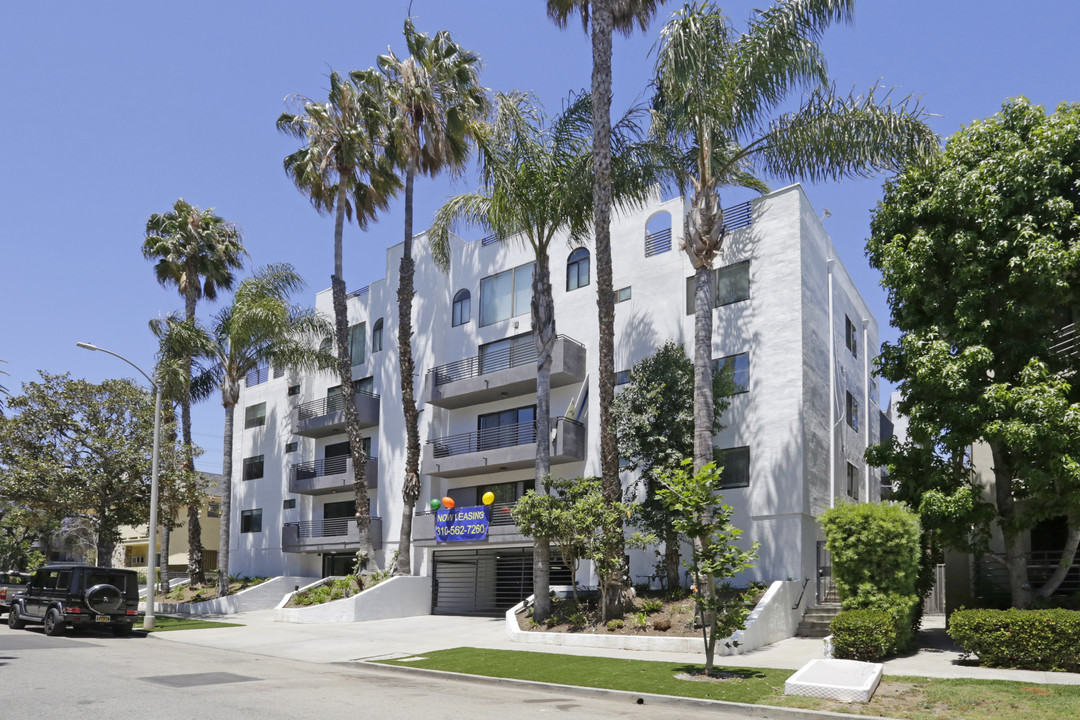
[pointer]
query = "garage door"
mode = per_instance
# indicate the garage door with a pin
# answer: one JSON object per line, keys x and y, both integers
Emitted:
{"x": 485, "y": 582}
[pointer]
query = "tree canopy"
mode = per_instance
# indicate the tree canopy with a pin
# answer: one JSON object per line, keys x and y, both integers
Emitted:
{"x": 978, "y": 251}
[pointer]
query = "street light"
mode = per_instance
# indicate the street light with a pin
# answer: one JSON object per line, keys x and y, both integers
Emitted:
{"x": 151, "y": 554}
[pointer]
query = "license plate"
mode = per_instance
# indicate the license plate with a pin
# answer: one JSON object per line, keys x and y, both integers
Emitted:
{"x": 102, "y": 618}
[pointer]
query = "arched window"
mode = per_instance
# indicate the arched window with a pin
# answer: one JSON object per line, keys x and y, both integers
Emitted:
{"x": 577, "y": 269}
{"x": 376, "y": 336}
{"x": 327, "y": 346}
{"x": 461, "y": 310}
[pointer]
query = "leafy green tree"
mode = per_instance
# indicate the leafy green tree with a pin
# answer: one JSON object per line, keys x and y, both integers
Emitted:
{"x": 343, "y": 171}
{"x": 979, "y": 252}
{"x": 434, "y": 100}
{"x": 196, "y": 251}
{"x": 258, "y": 327}
{"x": 80, "y": 451}
{"x": 20, "y": 526}
{"x": 537, "y": 184}
{"x": 654, "y": 417}
{"x": 718, "y": 99}
{"x": 699, "y": 514}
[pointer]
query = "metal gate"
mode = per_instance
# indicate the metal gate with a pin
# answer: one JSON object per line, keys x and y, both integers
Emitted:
{"x": 826, "y": 589}
{"x": 934, "y": 604}
{"x": 485, "y": 582}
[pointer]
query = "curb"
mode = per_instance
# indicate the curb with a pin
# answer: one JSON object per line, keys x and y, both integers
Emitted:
{"x": 769, "y": 712}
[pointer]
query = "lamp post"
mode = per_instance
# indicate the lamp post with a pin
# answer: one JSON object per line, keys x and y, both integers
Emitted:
{"x": 151, "y": 554}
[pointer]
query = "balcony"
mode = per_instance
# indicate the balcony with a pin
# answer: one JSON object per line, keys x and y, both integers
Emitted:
{"x": 510, "y": 447}
{"x": 501, "y": 527}
{"x": 499, "y": 374}
{"x": 331, "y": 475}
{"x": 326, "y": 416}
{"x": 334, "y": 535}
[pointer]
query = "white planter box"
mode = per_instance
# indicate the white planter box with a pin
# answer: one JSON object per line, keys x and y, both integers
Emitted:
{"x": 843, "y": 680}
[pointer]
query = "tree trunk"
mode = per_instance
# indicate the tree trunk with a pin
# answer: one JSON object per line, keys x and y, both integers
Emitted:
{"x": 1068, "y": 557}
{"x": 1011, "y": 532}
{"x": 410, "y": 489}
{"x": 226, "y": 492}
{"x": 164, "y": 560}
{"x": 543, "y": 322}
{"x": 703, "y": 387}
{"x": 196, "y": 572}
{"x": 671, "y": 559}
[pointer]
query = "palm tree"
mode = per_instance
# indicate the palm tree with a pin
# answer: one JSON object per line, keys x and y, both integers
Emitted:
{"x": 716, "y": 102}
{"x": 434, "y": 99}
{"x": 258, "y": 327}
{"x": 537, "y": 183}
{"x": 197, "y": 251}
{"x": 342, "y": 171}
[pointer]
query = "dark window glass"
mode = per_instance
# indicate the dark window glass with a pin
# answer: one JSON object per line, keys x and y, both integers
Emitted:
{"x": 291, "y": 447}
{"x": 852, "y": 481}
{"x": 739, "y": 367}
{"x": 255, "y": 415}
{"x": 506, "y": 428}
{"x": 852, "y": 412}
{"x": 507, "y": 353}
{"x": 462, "y": 308}
{"x": 356, "y": 343}
{"x": 577, "y": 269}
{"x": 251, "y": 521}
{"x": 294, "y": 390}
{"x": 736, "y": 467}
{"x": 731, "y": 284}
{"x": 851, "y": 336}
{"x": 289, "y": 504}
{"x": 253, "y": 467}
{"x": 376, "y": 336}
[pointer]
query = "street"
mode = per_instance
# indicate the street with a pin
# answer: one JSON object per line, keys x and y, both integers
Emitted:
{"x": 139, "y": 677}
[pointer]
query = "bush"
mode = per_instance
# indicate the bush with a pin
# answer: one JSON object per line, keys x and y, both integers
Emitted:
{"x": 652, "y": 605}
{"x": 613, "y": 625}
{"x": 662, "y": 625}
{"x": 1026, "y": 639}
{"x": 868, "y": 635}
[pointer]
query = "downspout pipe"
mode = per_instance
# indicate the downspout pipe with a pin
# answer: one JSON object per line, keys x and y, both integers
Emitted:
{"x": 866, "y": 404}
{"x": 832, "y": 392}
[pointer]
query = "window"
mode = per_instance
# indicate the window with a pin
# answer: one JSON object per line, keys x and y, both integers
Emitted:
{"x": 852, "y": 481}
{"x": 736, "y": 466}
{"x": 294, "y": 390}
{"x": 258, "y": 375}
{"x": 739, "y": 367}
{"x": 577, "y": 269}
{"x": 255, "y": 415}
{"x": 356, "y": 343}
{"x": 326, "y": 347}
{"x": 873, "y": 390}
{"x": 505, "y": 493}
{"x": 506, "y": 294}
{"x": 376, "y": 336}
{"x": 291, "y": 446}
{"x": 251, "y": 521}
{"x": 253, "y": 467}
{"x": 622, "y": 377}
{"x": 289, "y": 504}
{"x": 852, "y": 412}
{"x": 851, "y": 336}
{"x": 731, "y": 284}
{"x": 506, "y": 428}
{"x": 622, "y": 294}
{"x": 507, "y": 353}
{"x": 462, "y": 308}
{"x": 279, "y": 372}
{"x": 213, "y": 509}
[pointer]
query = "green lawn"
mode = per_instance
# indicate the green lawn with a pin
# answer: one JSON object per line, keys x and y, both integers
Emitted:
{"x": 164, "y": 623}
{"x": 897, "y": 697}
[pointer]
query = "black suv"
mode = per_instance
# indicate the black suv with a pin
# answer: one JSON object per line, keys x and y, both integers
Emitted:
{"x": 80, "y": 596}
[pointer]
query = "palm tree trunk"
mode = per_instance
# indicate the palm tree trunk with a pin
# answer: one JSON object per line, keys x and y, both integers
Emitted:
{"x": 164, "y": 564}
{"x": 226, "y": 493}
{"x": 410, "y": 490}
{"x": 196, "y": 574}
{"x": 543, "y": 321}
{"x": 703, "y": 388}
{"x": 364, "y": 550}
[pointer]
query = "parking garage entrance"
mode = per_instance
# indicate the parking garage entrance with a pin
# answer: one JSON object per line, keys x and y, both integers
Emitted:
{"x": 485, "y": 581}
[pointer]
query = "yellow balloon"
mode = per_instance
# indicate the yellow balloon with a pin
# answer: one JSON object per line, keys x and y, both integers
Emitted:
{"x": 489, "y": 497}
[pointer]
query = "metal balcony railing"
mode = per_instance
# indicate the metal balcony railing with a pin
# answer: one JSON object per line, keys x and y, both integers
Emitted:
{"x": 1063, "y": 342}
{"x": 499, "y": 516}
{"x": 327, "y": 405}
{"x": 488, "y": 362}
{"x": 324, "y": 467}
{"x": 487, "y": 439}
{"x": 992, "y": 578}
{"x": 361, "y": 292}
{"x": 334, "y": 527}
{"x": 738, "y": 216}
{"x": 657, "y": 242}
{"x": 257, "y": 376}
{"x": 489, "y": 240}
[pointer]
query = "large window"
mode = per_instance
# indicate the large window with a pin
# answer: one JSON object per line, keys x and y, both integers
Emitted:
{"x": 253, "y": 467}
{"x": 577, "y": 269}
{"x": 336, "y": 403}
{"x": 731, "y": 284}
{"x": 356, "y": 343}
{"x": 851, "y": 336}
{"x": 376, "y": 336}
{"x": 736, "y": 466}
{"x": 739, "y": 367}
{"x": 507, "y": 353}
{"x": 852, "y": 411}
{"x": 251, "y": 521}
{"x": 506, "y": 294}
{"x": 506, "y": 428}
{"x": 462, "y": 310}
{"x": 255, "y": 415}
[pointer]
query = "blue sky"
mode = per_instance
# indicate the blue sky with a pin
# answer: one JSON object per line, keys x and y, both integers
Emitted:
{"x": 113, "y": 110}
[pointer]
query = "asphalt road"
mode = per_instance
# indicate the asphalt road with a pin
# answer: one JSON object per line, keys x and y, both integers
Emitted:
{"x": 92, "y": 675}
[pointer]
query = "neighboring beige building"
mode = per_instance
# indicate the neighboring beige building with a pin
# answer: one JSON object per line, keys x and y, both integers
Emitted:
{"x": 131, "y": 552}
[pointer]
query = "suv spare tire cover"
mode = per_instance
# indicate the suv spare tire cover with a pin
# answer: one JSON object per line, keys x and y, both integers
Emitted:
{"x": 104, "y": 599}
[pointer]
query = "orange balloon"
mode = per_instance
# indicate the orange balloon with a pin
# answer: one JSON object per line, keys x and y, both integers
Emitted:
{"x": 448, "y": 503}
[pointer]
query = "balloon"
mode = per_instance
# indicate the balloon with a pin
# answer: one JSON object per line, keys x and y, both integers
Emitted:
{"x": 448, "y": 503}
{"x": 435, "y": 505}
{"x": 489, "y": 497}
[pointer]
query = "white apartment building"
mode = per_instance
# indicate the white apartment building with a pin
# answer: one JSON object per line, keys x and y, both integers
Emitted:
{"x": 789, "y": 318}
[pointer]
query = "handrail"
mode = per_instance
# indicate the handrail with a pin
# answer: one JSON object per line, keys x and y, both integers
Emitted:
{"x": 803, "y": 592}
{"x": 490, "y": 438}
{"x": 327, "y": 405}
{"x": 332, "y": 527}
{"x": 323, "y": 467}
{"x": 657, "y": 242}
{"x": 489, "y": 362}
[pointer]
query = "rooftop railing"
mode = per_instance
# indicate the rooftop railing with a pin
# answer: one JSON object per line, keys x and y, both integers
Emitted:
{"x": 657, "y": 242}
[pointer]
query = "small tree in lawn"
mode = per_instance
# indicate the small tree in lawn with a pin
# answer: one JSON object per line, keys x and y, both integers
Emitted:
{"x": 700, "y": 515}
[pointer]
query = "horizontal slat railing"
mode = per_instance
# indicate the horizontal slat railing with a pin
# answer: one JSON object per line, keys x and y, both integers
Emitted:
{"x": 327, "y": 405}
{"x": 323, "y": 467}
{"x": 487, "y": 439}
{"x": 738, "y": 216}
{"x": 657, "y": 242}
{"x": 334, "y": 527}
{"x": 489, "y": 362}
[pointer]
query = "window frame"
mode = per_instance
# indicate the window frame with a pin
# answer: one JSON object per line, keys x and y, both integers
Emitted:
{"x": 254, "y": 419}
{"x": 251, "y": 521}
{"x": 619, "y": 295}
{"x": 851, "y": 411}
{"x": 726, "y": 482}
{"x": 461, "y": 308}
{"x": 852, "y": 481}
{"x": 579, "y": 260}
{"x": 377, "y": 336}
{"x": 357, "y": 339}
{"x": 717, "y": 273}
{"x": 720, "y": 363}
{"x": 288, "y": 504}
{"x": 520, "y": 289}
{"x": 851, "y": 337}
{"x": 250, "y": 463}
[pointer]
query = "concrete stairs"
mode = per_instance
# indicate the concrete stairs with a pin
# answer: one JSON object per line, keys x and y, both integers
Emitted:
{"x": 815, "y": 623}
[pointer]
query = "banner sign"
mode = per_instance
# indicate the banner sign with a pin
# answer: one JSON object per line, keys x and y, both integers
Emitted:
{"x": 463, "y": 523}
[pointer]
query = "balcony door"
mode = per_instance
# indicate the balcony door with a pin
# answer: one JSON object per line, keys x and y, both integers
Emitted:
{"x": 337, "y": 516}
{"x": 506, "y": 428}
{"x": 507, "y": 353}
{"x": 336, "y": 458}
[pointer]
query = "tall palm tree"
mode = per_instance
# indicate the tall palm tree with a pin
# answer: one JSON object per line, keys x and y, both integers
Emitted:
{"x": 717, "y": 99}
{"x": 342, "y": 170}
{"x": 260, "y": 326}
{"x": 197, "y": 251}
{"x": 434, "y": 100}
{"x": 537, "y": 183}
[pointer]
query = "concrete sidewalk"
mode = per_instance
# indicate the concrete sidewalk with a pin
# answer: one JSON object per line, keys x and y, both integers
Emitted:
{"x": 404, "y": 637}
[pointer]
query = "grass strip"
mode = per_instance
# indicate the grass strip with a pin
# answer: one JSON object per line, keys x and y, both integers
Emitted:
{"x": 164, "y": 623}
{"x": 910, "y": 698}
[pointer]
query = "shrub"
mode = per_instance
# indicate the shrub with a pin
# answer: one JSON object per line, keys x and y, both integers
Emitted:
{"x": 652, "y": 605}
{"x": 866, "y": 635}
{"x": 1027, "y": 639}
{"x": 613, "y": 625}
{"x": 662, "y": 625}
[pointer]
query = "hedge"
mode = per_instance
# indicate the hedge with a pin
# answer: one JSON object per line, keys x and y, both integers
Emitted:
{"x": 1026, "y": 639}
{"x": 866, "y": 635}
